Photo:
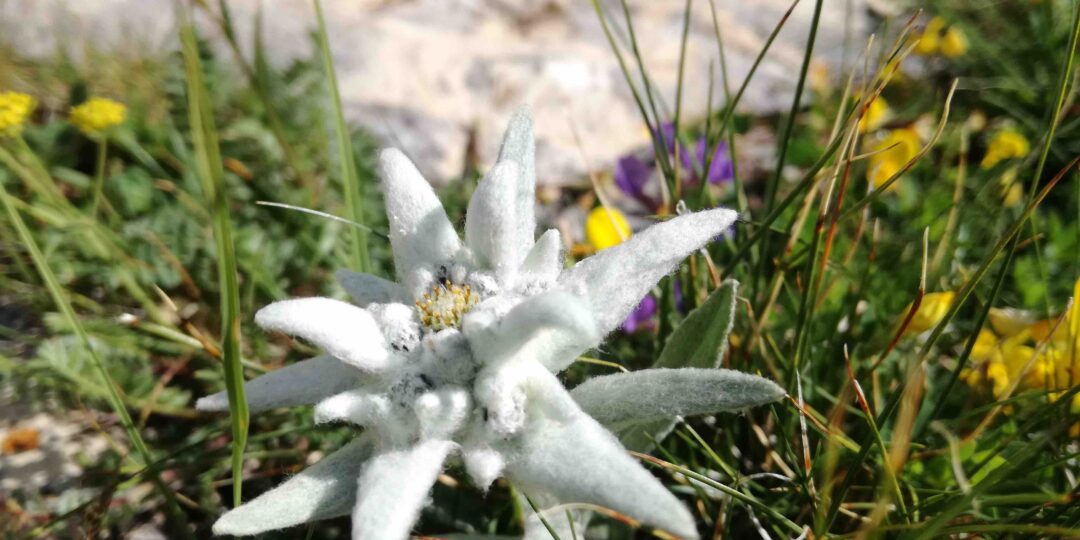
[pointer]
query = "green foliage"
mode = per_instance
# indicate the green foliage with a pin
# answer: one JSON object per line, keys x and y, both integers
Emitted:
{"x": 818, "y": 292}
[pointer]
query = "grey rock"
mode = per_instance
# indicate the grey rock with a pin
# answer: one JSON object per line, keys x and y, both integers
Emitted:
{"x": 426, "y": 74}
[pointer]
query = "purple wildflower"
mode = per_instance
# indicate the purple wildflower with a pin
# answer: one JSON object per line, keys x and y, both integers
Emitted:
{"x": 633, "y": 173}
{"x": 642, "y": 316}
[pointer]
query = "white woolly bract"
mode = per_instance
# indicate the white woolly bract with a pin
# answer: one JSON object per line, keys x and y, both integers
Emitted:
{"x": 361, "y": 407}
{"x": 519, "y": 147}
{"x": 420, "y": 233}
{"x": 302, "y": 383}
{"x": 341, "y": 329}
{"x": 544, "y": 261}
{"x": 493, "y": 205}
{"x": 615, "y": 279}
{"x": 393, "y": 487}
{"x": 578, "y": 460}
{"x": 665, "y": 393}
{"x": 368, "y": 289}
{"x": 324, "y": 490}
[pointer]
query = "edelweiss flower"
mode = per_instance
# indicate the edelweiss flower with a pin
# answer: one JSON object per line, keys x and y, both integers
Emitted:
{"x": 457, "y": 360}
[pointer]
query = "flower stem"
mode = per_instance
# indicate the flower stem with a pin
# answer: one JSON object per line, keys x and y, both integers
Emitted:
{"x": 99, "y": 174}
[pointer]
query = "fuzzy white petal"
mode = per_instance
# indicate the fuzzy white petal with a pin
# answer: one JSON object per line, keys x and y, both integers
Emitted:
{"x": 519, "y": 146}
{"x": 368, "y": 289}
{"x": 484, "y": 465}
{"x": 341, "y": 329}
{"x": 361, "y": 407}
{"x": 653, "y": 394}
{"x": 615, "y": 279}
{"x": 579, "y": 461}
{"x": 551, "y": 328}
{"x": 324, "y": 490}
{"x": 443, "y": 412}
{"x": 302, "y": 383}
{"x": 420, "y": 233}
{"x": 544, "y": 261}
{"x": 394, "y": 487}
{"x": 491, "y": 227}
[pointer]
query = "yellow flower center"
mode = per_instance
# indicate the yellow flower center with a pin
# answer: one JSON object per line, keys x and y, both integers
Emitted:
{"x": 445, "y": 304}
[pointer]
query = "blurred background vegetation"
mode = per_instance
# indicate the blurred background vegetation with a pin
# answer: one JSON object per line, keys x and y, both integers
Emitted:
{"x": 907, "y": 276}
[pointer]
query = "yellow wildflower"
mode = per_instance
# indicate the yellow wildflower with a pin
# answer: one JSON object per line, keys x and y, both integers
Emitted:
{"x": 1005, "y": 144}
{"x": 877, "y": 113}
{"x": 899, "y": 145}
{"x": 895, "y": 150}
{"x": 96, "y": 115}
{"x": 930, "y": 39}
{"x": 1010, "y": 190}
{"x": 15, "y": 108}
{"x": 1009, "y": 321}
{"x": 606, "y": 227}
{"x": 954, "y": 43}
{"x": 881, "y": 171}
{"x": 931, "y": 310}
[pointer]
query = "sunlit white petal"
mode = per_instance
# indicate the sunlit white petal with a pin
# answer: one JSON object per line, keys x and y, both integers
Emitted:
{"x": 324, "y": 490}
{"x": 302, "y": 383}
{"x": 341, "y": 329}
{"x": 368, "y": 289}
{"x": 393, "y": 488}
{"x": 420, "y": 233}
{"x": 615, "y": 279}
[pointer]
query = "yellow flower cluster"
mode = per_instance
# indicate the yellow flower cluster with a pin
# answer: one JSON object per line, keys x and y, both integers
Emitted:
{"x": 1018, "y": 351}
{"x": 940, "y": 38}
{"x": 606, "y": 227}
{"x": 876, "y": 114}
{"x": 96, "y": 115}
{"x": 15, "y": 108}
{"x": 932, "y": 309}
{"x": 891, "y": 153}
{"x": 1006, "y": 144}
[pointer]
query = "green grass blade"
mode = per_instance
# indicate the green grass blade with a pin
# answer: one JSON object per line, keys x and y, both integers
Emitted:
{"x": 112, "y": 392}
{"x": 212, "y": 178}
{"x": 349, "y": 179}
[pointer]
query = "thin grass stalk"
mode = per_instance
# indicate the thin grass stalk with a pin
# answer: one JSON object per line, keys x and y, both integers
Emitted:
{"x": 277, "y": 127}
{"x": 543, "y": 520}
{"x": 741, "y": 200}
{"x": 99, "y": 174}
{"x": 733, "y": 493}
{"x": 350, "y": 181}
{"x": 208, "y": 167}
{"x": 659, "y": 144}
{"x": 729, "y": 110}
{"x": 677, "y": 123}
{"x": 773, "y": 186}
{"x": 112, "y": 393}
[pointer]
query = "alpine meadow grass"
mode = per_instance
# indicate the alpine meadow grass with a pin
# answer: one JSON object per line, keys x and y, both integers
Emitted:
{"x": 260, "y": 320}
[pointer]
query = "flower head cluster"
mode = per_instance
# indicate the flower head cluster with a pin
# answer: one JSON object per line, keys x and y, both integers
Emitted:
{"x": 891, "y": 152}
{"x": 876, "y": 114}
{"x": 457, "y": 361}
{"x": 15, "y": 108}
{"x": 97, "y": 114}
{"x": 938, "y": 37}
{"x": 1019, "y": 353}
{"x": 1006, "y": 144}
{"x": 932, "y": 310}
